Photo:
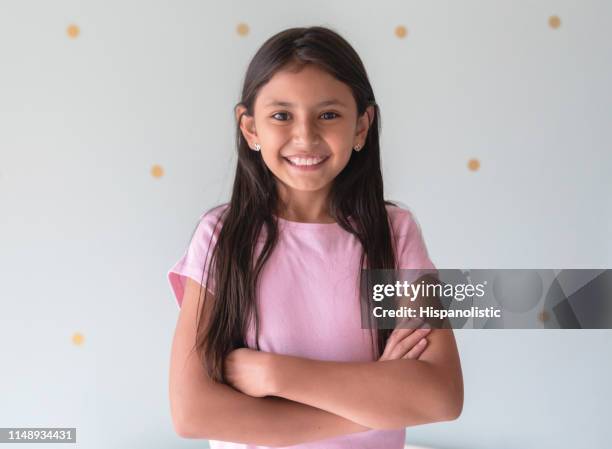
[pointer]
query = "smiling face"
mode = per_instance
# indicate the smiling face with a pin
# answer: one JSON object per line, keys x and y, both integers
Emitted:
{"x": 306, "y": 123}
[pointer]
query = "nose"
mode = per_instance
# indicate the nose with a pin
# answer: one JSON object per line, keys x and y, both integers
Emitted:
{"x": 306, "y": 132}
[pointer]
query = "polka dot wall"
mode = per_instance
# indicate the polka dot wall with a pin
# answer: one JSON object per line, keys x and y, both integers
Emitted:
{"x": 118, "y": 134}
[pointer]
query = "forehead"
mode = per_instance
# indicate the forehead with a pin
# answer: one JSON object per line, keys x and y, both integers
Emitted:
{"x": 308, "y": 87}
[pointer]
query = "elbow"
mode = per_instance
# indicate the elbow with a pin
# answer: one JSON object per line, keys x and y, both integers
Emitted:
{"x": 180, "y": 429}
{"x": 444, "y": 404}
{"x": 450, "y": 404}
{"x": 459, "y": 404}
{"x": 180, "y": 423}
{"x": 184, "y": 419}
{"x": 191, "y": 417}
{"x": 191, "y": 426}
{"x": 456, "y": 398}
{"x": 182, "y": 432}
{"x": 452, "y": 409}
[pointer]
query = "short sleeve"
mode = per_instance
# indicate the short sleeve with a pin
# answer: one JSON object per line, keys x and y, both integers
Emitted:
{"x": 410, "y": 245}
{"x": 195, "y": 262}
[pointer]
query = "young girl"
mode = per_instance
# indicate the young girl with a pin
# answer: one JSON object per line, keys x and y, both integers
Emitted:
{"x": 269, "y": 349}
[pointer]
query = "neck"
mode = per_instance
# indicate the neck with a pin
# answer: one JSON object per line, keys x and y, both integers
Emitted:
{"x": 304, "y": 206}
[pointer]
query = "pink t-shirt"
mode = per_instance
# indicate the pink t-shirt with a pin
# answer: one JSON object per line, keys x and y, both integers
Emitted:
{"x": 309, "y": 300}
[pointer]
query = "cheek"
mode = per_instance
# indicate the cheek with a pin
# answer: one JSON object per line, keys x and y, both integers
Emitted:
{"x": 272, "y": 159}
{"x": 274, "y": 136}
{"x": 341, "y": 140}
{"x": 342, "y": 148}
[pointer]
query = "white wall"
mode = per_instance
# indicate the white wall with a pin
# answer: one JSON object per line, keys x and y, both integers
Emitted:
{"x": 87, "y": 233}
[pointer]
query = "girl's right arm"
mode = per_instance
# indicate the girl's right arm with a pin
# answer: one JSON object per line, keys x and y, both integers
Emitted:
{"x": 202, "y": 408}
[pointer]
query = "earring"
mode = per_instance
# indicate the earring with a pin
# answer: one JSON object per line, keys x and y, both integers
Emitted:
{"x": 357, "y": 147}
{"x": 257, "y": 147}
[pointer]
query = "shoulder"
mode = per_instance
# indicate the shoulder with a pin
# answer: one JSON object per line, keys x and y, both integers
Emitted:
{"x": 402, "y": 220}
{"x": 210, "y": 223}
{"x": 410, "y": 245}
{"x": 215, "y": 213}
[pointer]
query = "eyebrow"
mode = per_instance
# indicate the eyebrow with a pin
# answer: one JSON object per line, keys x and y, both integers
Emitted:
{"x": 287, "y": 104}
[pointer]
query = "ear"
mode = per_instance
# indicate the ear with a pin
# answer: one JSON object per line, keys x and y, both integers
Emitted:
{"x": 247, "y": 125}
{"x": 363, "y": 125}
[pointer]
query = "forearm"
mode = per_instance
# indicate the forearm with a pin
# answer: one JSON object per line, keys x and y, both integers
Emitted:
{"x": 380, "y": 395}
{"x": 229, "y": 415}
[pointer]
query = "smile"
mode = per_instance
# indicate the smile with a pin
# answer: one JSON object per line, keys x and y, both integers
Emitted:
{"x": 306, "y": 163}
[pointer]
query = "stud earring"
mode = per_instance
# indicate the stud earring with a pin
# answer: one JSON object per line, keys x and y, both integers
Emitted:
{"x": 357, "y": 147}
{"x": 257, "y": 147}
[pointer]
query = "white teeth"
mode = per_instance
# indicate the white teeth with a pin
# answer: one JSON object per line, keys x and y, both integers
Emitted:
{"x": 306, "y": 161}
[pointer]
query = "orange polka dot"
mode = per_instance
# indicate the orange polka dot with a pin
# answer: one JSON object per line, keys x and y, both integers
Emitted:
{"x": 72, "y": 31}
{"x": 554, "y": 22}
{"x": 242, "y": 29}
{"x": 400, "y": 31}
{"x": 77, "y": 338}
{"x": 473, "y": 164}
{"x": 157, "y": 171}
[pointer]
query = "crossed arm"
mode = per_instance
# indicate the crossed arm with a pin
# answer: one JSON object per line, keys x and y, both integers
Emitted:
{"x": 279, "y": 400}
{"x": 380, "y": 395}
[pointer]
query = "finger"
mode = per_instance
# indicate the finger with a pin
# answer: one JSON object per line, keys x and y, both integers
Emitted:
{"x": 405, "y": 328}
{"x": 400, "y": 348}
{"x": 418, "y": 349}
{"x": 396, "y": 337}
{"x": 411, "y": 323}
{"x": 388, "y": 347}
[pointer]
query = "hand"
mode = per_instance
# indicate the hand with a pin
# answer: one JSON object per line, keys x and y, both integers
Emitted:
{"x": 249, "y": 371}
{"x": 406, "y": 343}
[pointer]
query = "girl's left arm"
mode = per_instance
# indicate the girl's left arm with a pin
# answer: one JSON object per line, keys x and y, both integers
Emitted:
{"x": 380, "y": 395}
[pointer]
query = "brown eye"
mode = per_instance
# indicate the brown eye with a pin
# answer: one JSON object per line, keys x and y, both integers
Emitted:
{"x": 334, "y": 115}
{"x": 330, "y": 113}
{"x": 279, "y": 113}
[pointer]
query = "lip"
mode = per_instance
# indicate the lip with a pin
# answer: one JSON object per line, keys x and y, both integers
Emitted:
{"x": 306, "y": 167}
{"x": 307, "y": 155}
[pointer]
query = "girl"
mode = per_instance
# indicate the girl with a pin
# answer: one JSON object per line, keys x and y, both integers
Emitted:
{"x": 268, "y": 349}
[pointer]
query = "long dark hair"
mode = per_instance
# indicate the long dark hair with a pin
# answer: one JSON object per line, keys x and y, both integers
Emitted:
{"x": 356, "y": 200}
